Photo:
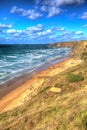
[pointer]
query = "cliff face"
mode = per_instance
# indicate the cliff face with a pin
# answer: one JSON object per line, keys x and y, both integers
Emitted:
{"x": 54, "y": 103}
{"x": 78, "y": 47}
{"x": 68, "y": 44}
{"x": 64, "y": 44}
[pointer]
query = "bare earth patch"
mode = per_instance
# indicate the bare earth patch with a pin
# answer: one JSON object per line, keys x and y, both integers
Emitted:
{"x": 55, "y": 90}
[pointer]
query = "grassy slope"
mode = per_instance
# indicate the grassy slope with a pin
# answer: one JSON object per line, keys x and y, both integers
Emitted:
{"x": 53, "y": 110}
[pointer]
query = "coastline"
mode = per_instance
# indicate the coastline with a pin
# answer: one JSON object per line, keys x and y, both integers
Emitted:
{"x": 15, "y": 92}
{"x": 6, "y": 87}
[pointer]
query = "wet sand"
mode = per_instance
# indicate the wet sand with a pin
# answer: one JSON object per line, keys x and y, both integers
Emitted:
{"x": 12, "y": 84}
{"x": 13, "y": 92}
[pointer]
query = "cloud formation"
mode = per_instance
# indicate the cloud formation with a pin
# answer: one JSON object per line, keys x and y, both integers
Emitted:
{"x": 5, "y": 26}
{"x": 84, "y": 16}
{"x": 39, "y": 32}
{"x": 32, "y": 33}
{"x": 31, "y": 13}
{"x": 35, "y": 29}
{"x": 52, "y": 11}
{"x": 53, "y": 7}
{"x": 62, "y": 2}
{"x": 79, "y": 32}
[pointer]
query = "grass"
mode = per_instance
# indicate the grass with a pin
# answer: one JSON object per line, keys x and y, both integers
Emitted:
{"x": 84, "y": 56}
{"x": 82, "y": 119}
{"x": 84, "y": 122}
{"x": 75, "y": 77}
{"x": 44, "y": 89}
{"x": 53, "y": 111}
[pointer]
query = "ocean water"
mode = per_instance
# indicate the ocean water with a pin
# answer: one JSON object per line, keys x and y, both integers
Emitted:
{"x": 16, "y": 60}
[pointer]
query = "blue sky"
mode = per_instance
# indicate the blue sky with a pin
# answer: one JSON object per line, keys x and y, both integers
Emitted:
{"x": 42, "y": 21}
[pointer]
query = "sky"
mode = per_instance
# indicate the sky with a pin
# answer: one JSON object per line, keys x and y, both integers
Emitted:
{"x": 42, "y": 21}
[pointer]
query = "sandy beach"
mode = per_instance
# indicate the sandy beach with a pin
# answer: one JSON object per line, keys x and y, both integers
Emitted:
{"x": 15, "y": 92}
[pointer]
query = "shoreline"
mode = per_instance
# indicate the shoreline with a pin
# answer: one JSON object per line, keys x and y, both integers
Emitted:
{"x": 19, "y": 80}
{"x": 13, "y": 93}
{"x": 33, "y": 70}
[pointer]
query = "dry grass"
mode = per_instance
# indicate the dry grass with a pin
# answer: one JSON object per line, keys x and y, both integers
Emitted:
{"x": 49, "y": 110}
{"x": 57, "y": 105}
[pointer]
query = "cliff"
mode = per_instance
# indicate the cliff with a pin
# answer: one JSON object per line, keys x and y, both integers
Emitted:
{"x": 78, "y": 47}
{"x": 57, "y": 97}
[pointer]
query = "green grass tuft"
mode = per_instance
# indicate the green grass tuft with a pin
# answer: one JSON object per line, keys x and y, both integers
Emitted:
{"x": 83, "y": 120}
{"x": 44, "y": 89}
{"x": 75, "y": 77}
{"x": 84, "y": 56}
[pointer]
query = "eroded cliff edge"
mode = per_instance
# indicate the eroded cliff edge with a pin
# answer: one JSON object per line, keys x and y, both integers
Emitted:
{"x": 56, "y": 101}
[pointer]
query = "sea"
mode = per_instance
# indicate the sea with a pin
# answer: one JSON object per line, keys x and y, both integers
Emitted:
{"x": 16, "y": 60}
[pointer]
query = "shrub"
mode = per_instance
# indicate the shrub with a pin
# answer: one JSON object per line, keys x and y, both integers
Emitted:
{"x": 84, "y": 122}
{"x": 44, "y": 89}
{"x": 83, "y": 119}
{"x": 74, "y": 77}
{"x": 84, "y": 56}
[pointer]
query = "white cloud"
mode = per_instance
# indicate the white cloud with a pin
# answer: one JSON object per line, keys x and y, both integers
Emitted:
{"x": 79, "y": 33}
{"x": 53, "y": 7}
{"x": 43, "y": 8}
{"x": 11, "y": 31}
{"x": 13, "y": 9}
{"x": 5, "y": 26}
{"x": 37, "y": 28}
{"x": 31, "y": 13}
{"x": 39, "y": 32}
{"x": 52, "y": 11}
{"x": 61, "y": 29}
{"x": 32, "y": 32}
{"x": 37, "y": 2}
{"x": 58, "y": 3}
{"x": 45, "y": 33}
{"x": 67, "y": 35}
{"x": 84, "y": 15}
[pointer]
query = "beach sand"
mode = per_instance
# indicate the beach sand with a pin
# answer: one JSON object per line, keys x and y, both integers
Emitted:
{"x": 15, "y": 92}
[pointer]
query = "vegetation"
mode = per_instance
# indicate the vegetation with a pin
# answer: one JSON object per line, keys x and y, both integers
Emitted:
{"x": 44, "y": 89}
{"x": 49, "y": 110}
{"x": 75, "y": 77}
{"x": 84, "y": 56}
{"x": 84, "y": 121}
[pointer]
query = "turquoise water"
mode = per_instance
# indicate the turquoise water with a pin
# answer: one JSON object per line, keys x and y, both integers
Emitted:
{"x": 16, "y": 60}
